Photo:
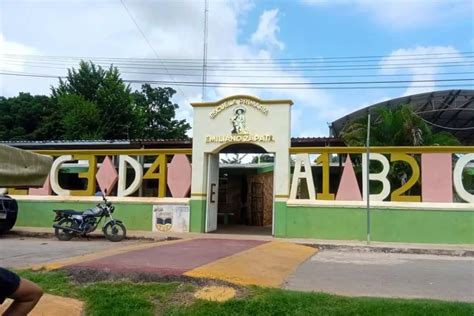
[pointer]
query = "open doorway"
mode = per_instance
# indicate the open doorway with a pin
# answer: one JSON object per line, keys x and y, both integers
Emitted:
{"x": 245, "y": 192}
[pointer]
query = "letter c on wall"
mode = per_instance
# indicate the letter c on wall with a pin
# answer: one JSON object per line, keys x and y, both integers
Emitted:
{"x": 457, "y": 178}
{"x": 55, "y": 175}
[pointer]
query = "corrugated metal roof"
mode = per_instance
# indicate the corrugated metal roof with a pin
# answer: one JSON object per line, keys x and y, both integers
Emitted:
{"x": 448, "y": 110}
{"x": 151, "y": 143}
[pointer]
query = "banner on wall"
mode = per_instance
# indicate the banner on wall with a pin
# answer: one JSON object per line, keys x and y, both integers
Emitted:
{"x": 171, "y": 218}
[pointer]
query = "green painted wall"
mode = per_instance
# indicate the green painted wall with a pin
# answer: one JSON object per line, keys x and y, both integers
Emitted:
{"x": 391, "y": 225}
{"x": 325, "y": 223}
{"x": 40, "y": 213}
{"x": 423, "y": 226}
{"x": 198, "y": 215}
{"x": 279, "y": 221}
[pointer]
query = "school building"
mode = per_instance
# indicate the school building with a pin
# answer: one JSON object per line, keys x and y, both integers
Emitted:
{"x": 314, "y": 187}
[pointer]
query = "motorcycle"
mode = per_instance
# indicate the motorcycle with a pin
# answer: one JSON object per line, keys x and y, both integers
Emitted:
{"x": 72, "y": 223}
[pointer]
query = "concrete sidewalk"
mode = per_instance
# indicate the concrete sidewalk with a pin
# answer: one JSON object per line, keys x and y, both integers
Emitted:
{"x": 461, "y": 250}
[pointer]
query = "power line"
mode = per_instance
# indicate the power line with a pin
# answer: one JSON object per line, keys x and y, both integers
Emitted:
{"x": 282, "y": 86}
{"x": 286, "y": 83}
{"x": 146, "y": 39}
{"x": 245, "y": 60}
{"x": 272, "y": 69}
{"x": 204, "y": 54}
{"x": 303, "y": 76}
{"x": 247, "y": 65}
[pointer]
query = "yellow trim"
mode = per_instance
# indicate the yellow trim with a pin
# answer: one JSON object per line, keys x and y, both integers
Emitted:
{"x": 272, "y": 263}
{"x": 112, "y": 152}
{"x": 198, "y": 194}
{"x": 95, "y": 199}
{"x": 383, "y": 150}
{"x": 281, "y": 196}
{"x": 267, "y": 102}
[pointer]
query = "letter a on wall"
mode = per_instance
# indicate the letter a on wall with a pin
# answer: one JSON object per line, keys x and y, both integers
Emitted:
{"x": 302, "y": 160}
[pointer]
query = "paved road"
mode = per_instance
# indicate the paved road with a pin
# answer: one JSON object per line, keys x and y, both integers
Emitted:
{"x": 21, "y": 252}
{"x": 387, "y": 275}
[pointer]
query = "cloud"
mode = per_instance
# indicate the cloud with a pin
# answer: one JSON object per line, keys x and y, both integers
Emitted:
{"x": 403, "y": 14}
{"x": 267, "y": 30}
{"x": 175, "y": 30}
{"x": 420, "y": 70}
{"x": 12, "y": 48}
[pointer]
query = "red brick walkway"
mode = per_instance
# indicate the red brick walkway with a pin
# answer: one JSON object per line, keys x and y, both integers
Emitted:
{"x": 173, "y": 259}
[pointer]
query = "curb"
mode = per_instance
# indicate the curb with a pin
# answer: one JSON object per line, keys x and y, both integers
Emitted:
{"x": 33, "y": 234}
{"x": 383, "y": 249}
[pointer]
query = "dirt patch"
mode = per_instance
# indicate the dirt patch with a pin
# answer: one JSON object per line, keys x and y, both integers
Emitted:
{"x": 215, "y": 293}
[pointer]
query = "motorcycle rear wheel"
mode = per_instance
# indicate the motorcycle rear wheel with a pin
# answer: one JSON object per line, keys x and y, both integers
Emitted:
{"x": 62, "y": 234}
{"x": 114, "y": 231}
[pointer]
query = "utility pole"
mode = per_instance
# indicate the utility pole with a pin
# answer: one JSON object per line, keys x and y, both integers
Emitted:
{"x": 204, "y": 53}
{"x": 367, "y": 175}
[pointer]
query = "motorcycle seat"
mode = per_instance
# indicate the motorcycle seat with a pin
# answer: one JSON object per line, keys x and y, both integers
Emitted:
{"x": 69, "y": 212}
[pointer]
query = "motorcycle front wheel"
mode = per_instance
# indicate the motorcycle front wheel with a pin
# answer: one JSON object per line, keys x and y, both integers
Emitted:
{"x": 115, "y": 231}
{"x": 64, "y": 234}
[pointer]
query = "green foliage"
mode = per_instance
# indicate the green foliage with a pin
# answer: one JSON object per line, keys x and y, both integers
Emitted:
{"x": 283, "y": 302}
{"x": 156, "y": 113}
{"x": 25, "y": 117}
{"x": 123, "y": 298}
{"x": 263, "y": 158}
{"x": 107, "y": 91}
{"x": 80, "y": 119}
{"x": 92, "y": 103}
{"x": 398, "y": 127}
{"x": 56, "y": 283}
{"x": 126, "y": 298}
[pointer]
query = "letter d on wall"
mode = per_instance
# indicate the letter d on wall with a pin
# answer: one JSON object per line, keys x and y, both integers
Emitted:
{"x": 382, "y": 177}
{"x": 122, "y": 182}
{"x": 457, "y": 178}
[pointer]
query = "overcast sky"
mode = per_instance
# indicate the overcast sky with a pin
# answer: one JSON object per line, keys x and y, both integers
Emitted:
{"x": 243, "y": 29}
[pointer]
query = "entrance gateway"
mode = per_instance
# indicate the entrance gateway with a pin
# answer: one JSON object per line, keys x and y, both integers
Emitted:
{"x": 235, "y": 120}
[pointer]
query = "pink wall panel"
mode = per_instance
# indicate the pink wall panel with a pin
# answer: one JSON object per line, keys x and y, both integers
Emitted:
{"x": 436, "y": 178}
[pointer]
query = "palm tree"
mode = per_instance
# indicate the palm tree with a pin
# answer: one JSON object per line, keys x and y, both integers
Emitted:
{"x": 398, "y": 127}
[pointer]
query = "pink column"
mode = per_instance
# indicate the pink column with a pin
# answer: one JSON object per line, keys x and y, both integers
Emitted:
{"x": 436, "y": 178}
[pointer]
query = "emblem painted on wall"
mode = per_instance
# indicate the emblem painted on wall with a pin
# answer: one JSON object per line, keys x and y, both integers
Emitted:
{"x": 164, "y": 220}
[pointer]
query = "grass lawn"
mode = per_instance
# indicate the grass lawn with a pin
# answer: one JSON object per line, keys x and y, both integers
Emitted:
{"x": 128, "y": 298}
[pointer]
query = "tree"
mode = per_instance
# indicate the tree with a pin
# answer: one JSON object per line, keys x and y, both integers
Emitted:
{"x": 261, "y": 158}
{"x": 79, "y": 118}
{"x": 92, "y": 103}
{"x": 398, "y": 127}
{"x": 233, "y": 159}
{"x": 24, "y": 117}
{"x": 108, "y": 92}
{"x": 156, "y": 114}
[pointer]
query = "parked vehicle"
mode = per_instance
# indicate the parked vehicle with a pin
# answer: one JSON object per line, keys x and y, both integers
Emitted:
{"x": 72, "y": 223}
{"x": 19, "y": 169}
{"x": 8, "y": 213}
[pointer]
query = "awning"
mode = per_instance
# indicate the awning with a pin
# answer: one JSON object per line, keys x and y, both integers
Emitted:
{"x": 20, "y": 168}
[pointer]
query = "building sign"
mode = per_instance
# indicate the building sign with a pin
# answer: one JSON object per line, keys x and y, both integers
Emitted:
{"x": 239, "y": 131}
{"x": 234, "y": 102}
{"x": 239, "y": 138}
